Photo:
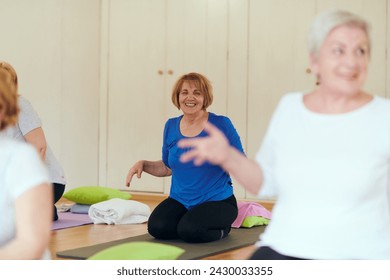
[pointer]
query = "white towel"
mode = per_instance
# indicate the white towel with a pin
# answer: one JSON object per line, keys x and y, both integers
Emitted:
{"x": 118, "y": 211}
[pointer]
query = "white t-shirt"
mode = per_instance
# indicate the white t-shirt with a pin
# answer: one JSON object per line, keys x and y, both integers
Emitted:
{"x": 28, "y": 121}
{"x": 20, "y": 170}
{"x": 331, "y": 177}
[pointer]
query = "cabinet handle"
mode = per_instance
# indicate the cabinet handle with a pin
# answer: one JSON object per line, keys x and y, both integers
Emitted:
{"x": 170, "y": 72}
{"x": 160, "y": 72}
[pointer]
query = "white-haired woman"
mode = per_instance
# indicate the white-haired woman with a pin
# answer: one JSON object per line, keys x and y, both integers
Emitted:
{"x": 25, "y": 191}
{"x": 325, "y": 156}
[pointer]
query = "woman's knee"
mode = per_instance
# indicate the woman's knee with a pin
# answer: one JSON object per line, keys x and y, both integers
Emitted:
{"x": 191, "y": 233}
{"x": 58, "y": 191}
{"x": 161, "y": 229}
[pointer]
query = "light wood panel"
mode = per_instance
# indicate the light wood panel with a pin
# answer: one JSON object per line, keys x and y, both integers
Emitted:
{"x": 196, "y": 42}
{"x": 136, "y": 90}
{"x": 216, "y": 59}
{"x": 237, "y": 72}
{"x": 78, "y": 126}
{"x": 387, "y": 51}
{"x": 277, "y": 59}
{"x": 103, "y": 90}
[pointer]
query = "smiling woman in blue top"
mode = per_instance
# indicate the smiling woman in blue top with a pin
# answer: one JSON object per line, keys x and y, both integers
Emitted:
{"x": 201, "y": 205}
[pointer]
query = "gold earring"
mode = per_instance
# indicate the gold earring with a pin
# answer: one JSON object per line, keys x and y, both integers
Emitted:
{"x": 318, "y": 80}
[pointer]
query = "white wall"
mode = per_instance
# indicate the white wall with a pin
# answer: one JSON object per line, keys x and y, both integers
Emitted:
{"x": 54, "y": 47}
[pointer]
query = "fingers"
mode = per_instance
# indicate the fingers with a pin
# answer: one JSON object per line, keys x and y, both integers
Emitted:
{"x": 201, "y": 148}
{"x": 187, "y": 143}
{"x": 211, "y": 129}
{"x": 199, "y": 161}
{"x": 136, "y": 169}
{"x": 131, "y": 174}
{"x": 128, "y": 178}
{"x": 192, "y": 155}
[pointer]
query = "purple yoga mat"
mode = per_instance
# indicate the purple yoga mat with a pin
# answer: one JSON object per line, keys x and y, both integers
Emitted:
{"x": 69, "y": 219}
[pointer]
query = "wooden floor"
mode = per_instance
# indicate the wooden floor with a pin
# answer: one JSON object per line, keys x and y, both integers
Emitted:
{"x": 87, "y": 235}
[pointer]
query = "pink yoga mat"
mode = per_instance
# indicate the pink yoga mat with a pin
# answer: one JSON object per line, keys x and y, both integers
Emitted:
{"x": 69, "y": 219}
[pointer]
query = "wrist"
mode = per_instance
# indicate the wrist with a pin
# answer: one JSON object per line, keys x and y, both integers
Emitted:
{"x": 228, "y": 160}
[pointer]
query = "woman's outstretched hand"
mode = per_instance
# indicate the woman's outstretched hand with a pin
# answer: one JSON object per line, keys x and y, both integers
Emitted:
{"x": 213, "y": 148}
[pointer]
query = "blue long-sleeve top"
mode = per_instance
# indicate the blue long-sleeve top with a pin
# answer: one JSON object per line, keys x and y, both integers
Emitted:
{"x": 192, "y": 185}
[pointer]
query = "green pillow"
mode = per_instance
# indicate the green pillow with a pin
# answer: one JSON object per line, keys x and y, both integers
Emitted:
{"x": 252, "y": 221}
{"x": 139, "y": 251}
{"x": 92, "y": 195}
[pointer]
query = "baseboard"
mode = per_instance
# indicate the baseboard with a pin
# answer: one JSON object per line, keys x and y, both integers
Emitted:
{"x": 145, "y": 196}
{"x": 157, "y": 197}
{"x": 148, "y": 196}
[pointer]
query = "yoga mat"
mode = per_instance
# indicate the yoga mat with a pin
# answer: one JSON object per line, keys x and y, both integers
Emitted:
{"x": 69, "y": 219}
{"x": 237, "y": 238}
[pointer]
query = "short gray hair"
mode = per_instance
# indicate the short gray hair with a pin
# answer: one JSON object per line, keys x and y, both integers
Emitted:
{"x": 326, "y": 21}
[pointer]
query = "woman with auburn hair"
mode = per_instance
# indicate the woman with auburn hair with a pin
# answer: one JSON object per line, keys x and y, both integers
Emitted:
{"x": 25, "y": 191}
{"x": 201, "y": 205}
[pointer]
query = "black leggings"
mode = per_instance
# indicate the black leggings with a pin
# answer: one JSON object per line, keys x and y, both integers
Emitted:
{"x": 206, "y": 222}
{"x": 58, "y": 191}
{"x": 266, "y": 253}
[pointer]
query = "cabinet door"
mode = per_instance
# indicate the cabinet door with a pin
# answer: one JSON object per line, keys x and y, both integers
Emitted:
{"x": 388, "y": 56}
{"x": 135, "y": 89}
{"x": 278, "y": 59}
{"x": 197, "y": 42}
{"x": 237, "y": 73}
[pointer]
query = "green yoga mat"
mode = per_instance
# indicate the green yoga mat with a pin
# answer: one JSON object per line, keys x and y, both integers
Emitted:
{"x": 237, "y": 238}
